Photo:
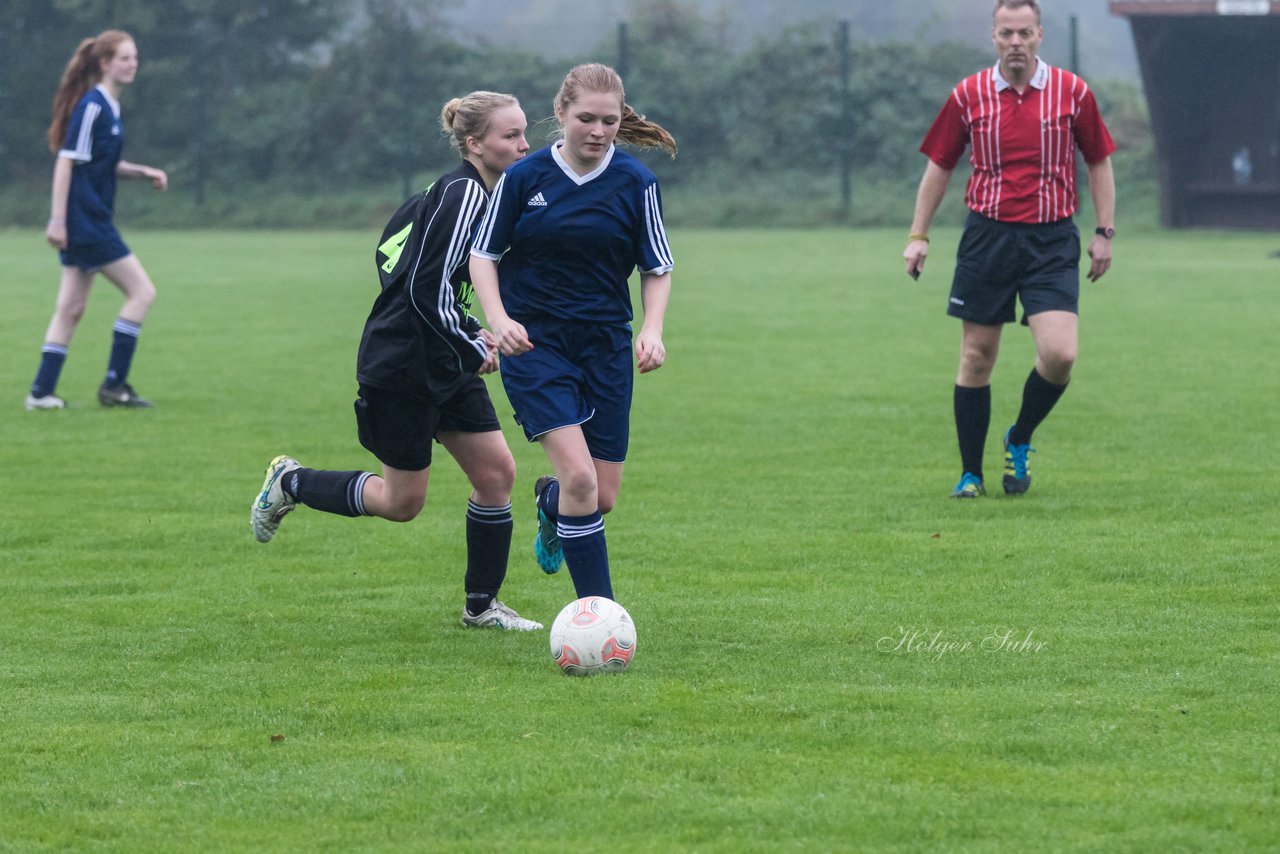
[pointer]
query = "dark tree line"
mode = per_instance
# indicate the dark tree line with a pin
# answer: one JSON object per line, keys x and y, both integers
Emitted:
{"x": 313, "y": 97}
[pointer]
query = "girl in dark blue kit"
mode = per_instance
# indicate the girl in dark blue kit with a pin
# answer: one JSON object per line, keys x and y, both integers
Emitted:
{"x": 88, "y": 137}
{"x": 566, "y": 228}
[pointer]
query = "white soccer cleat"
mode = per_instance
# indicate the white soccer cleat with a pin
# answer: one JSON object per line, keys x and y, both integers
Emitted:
{"x": 49, "y": 401}
{"x": 499, "y": 616}
{"x": 271, "y": 505}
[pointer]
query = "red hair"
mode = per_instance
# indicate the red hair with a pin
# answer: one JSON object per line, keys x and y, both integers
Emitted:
{"x": 82, "y": 73}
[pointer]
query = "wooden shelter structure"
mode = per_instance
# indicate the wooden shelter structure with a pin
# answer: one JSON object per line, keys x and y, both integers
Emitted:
{"x": 1211, "y": 71}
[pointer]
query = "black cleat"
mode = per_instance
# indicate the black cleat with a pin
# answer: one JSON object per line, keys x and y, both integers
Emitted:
{"x": 1017, "y": 475}
{"x": 121, "y": 395}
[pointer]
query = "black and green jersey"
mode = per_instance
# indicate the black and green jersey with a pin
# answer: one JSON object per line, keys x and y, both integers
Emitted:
{"x": 420, "y": 339}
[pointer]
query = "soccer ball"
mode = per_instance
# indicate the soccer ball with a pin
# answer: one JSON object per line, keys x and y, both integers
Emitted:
{"x": 593, "y": 635}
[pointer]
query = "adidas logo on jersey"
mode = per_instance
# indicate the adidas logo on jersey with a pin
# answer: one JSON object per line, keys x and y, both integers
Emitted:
{"x": 538, "y": 202}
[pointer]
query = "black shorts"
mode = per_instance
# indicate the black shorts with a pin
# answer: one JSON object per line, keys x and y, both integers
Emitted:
{"x": 1000, "y": 262}
{"x": 398, "y": 429}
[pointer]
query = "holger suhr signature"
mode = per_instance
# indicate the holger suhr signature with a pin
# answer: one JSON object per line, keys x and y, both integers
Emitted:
{"x": 936, "y": 643}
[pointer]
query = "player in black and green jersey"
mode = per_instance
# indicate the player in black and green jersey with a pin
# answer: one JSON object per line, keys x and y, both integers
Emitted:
{"x": 419, "y": 368}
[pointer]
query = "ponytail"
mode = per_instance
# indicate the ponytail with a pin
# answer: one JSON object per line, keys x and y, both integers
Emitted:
{"x": 635, "y": 129}
{"x": 82, "y": 73}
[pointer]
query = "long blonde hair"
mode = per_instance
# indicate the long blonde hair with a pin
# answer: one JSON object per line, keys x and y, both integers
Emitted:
{"x": 633, "y": 129}
{"x": 469, "y": 116}
{"x": 83, "y": 72}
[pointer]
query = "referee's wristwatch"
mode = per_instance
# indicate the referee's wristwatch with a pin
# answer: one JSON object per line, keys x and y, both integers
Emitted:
{"x": 1107, "y": 232}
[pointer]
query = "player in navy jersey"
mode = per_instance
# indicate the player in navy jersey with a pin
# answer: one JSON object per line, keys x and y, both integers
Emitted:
{"x": 1023, "y": 121}
{"x": 419, "y": 369}
{"x": 550, "y": 264}
{"x": 88, "y": 137}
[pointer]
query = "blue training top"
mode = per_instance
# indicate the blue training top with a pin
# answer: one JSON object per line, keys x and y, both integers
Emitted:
{"x": 571, "y": 241}
{"x": 94, "y": 142}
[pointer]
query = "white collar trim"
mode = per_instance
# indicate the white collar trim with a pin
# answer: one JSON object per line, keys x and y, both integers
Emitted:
{"x": 574, "y": 176}
{"x": 1038, "y": 80}
{"x": 115, "y": 105}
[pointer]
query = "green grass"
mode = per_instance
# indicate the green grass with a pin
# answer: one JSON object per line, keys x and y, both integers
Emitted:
{"x": 784, "y": 513}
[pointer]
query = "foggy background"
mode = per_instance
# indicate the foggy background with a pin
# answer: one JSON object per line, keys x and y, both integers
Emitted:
{"x": 324, "y": 113}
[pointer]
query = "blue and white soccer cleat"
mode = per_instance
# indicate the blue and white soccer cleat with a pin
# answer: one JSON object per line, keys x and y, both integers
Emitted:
{"x": 272, "y": 503}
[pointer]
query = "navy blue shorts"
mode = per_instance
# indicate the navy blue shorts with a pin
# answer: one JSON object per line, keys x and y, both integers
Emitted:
{"x": 577, "y": 373}
{"x": 398, "y": 429}
{"x": 91, "y": 257}
{"x": 1001, "y": 262}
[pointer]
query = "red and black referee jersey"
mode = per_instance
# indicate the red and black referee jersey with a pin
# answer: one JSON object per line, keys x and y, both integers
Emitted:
{"x": 420, "y": 339}
{"x": 1022, "y": 147}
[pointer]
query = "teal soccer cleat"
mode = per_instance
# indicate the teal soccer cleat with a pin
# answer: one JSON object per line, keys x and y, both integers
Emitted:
{"x": 546, "y": 544}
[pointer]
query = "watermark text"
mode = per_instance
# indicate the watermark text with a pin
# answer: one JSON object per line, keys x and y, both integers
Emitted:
{"x": 937, "y": 644}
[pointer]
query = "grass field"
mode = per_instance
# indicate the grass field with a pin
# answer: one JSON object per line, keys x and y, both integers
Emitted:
{"x": 833, "y": 655}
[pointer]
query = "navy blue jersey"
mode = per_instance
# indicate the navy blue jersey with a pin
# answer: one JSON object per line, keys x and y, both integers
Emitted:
{"x": 420, "y": 339}
{"x": 571, "y": 241}
{"x": 94, "y": 142}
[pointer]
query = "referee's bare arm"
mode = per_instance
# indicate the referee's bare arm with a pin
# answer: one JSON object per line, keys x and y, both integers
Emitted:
{"x": 1102, "y": 186}
{"x": 933, "y": 186}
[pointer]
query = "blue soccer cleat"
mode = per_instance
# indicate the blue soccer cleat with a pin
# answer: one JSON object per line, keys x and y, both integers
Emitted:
{"x": 546, "y": 544}
{"x": 970, "y": 486}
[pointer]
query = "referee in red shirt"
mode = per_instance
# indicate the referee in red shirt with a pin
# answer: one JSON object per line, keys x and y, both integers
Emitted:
{"x": 1022, "y": 121}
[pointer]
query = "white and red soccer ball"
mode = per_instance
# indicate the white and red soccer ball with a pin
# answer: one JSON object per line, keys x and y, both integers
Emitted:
{"x": 593, "y": 635}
